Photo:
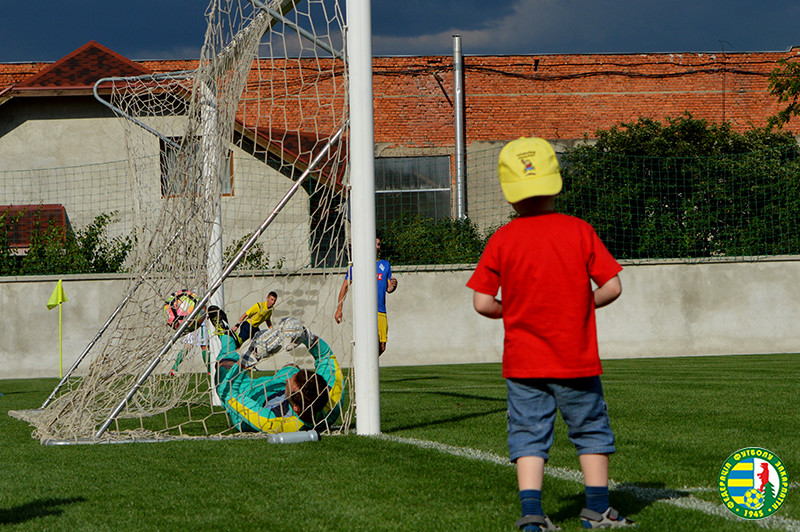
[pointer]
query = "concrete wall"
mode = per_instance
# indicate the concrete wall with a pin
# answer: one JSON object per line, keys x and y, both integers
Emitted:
{"x": 665, "y": 310}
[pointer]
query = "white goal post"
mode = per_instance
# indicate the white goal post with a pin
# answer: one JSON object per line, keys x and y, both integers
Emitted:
{"x": 362, "y": 179}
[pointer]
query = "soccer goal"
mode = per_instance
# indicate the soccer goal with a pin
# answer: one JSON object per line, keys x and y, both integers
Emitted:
{"x": 239, "y": 172}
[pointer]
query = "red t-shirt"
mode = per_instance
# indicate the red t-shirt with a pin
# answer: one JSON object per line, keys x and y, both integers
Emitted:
{"x": 543, "y": 265}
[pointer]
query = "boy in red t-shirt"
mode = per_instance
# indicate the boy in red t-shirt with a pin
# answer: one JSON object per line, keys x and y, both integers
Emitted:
{"x": 544, "y": 264}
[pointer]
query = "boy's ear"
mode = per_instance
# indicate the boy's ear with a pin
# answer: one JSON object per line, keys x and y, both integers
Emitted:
{"x": 295, "y": 408}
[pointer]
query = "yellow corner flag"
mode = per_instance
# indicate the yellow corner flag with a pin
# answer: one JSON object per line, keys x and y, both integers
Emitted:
{"x": 58, "y": 297}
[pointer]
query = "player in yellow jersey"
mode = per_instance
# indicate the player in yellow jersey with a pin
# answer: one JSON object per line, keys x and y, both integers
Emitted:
{"x": 256, "y": 315}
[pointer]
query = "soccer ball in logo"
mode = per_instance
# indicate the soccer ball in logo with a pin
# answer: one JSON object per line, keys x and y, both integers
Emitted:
{"x": 753, "y": 499}
{"x": 178, "y": 306}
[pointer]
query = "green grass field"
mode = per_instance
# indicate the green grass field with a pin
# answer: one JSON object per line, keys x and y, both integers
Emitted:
{"x": 440, "y": 464}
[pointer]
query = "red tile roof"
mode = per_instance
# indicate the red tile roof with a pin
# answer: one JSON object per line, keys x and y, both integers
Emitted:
{"x": 301, "y": 147}
{"x": 83, "y": 67}
{"x": 77, "y": 72}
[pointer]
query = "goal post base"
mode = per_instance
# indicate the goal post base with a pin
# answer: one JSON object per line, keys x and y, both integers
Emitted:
{"x": 279, "y": 438}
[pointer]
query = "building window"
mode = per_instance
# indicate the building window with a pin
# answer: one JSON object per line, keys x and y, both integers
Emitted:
{"x": 412, "y": 185}
{"x": 171, "y": 182}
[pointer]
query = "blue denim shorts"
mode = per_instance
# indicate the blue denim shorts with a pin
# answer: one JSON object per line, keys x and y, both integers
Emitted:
{"x": 532, "y": 405}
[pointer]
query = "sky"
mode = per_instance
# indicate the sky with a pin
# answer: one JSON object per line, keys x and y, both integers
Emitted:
{"x": 46, "y": 30}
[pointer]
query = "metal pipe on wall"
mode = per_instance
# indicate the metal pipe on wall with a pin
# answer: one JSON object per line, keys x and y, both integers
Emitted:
{"x": 460, "y": 142}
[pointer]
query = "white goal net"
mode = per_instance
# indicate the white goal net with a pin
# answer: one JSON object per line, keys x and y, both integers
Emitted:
{"x": 239, "y": 174}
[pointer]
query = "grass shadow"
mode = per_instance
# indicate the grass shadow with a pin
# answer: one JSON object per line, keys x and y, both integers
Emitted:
{"x": 387, "y": 380}
{"x": 449, "y": 419}
{"x": 35, "y": 509}
{"x": 628, "y": 498}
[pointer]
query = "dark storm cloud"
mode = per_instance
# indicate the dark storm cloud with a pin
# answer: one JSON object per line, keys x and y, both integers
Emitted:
{"x": 46, "y": 30}
{"x": 572, "y": 26}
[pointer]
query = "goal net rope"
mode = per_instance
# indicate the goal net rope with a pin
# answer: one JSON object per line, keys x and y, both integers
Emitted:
{"x": 238, "y": 170}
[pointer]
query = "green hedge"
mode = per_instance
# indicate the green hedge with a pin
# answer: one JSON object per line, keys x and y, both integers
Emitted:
{"x": 54, "y": 250}
{"x": 412, "y": 240}
{"x": 687, "y": 189}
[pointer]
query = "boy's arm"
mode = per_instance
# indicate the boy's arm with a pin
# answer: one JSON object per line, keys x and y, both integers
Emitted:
{"x": 607, "y": 293}
{"x": 487, "y": 305}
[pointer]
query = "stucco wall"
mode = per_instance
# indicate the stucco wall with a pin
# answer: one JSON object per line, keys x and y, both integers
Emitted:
{"x": 665, "y": 310}
{"x": 72, "y": 152}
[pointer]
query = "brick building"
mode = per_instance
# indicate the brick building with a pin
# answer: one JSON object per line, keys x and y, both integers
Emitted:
{"x": 558, "y": 97}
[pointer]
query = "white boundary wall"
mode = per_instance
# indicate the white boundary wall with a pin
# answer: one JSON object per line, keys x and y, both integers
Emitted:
{"x": 665, "y": 310}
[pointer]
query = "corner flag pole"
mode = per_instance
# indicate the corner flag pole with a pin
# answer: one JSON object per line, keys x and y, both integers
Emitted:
{"x": 57, "y": 298}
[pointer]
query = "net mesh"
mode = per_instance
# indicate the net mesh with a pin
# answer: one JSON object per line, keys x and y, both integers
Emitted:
{"x": 211, "y": 153}
{"x": 646, "y": 209}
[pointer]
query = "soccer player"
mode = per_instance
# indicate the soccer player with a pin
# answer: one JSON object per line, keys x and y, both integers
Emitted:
{"x": 386, "y": 285}
{"x": 259, "y": 313}
{"x": 230, "y": 340}
{"x": 292, "y": 399}
{"x": 544, "y": 263}
{"x": 198, "y": 337}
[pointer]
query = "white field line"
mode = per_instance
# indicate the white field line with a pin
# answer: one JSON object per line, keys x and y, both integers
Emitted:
{"x": 438, "y": 390}
{"x": 676, "y": 497}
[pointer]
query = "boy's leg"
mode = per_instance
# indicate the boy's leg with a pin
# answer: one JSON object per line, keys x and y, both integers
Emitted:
{"x": 178, "y": 360}
{"x": 531, "y": 417}
{"x": 245, "y": 331}
{"x": 383, "y": 332}
{"x": 595, "y": 469}
{"x": 530, "y": 472}
{"x": 584, "y": 410}
{"x": 206, "y": 360}
{"x": 595, "y": 476}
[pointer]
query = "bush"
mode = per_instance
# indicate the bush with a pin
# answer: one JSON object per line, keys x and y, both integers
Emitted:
{"x": 58, "y": 250}
{"x": 255, "y": 258}
{"x": 418, "y": 241}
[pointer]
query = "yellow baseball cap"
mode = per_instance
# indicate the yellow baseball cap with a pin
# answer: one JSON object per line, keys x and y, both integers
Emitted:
{"x": 528, "y": 167}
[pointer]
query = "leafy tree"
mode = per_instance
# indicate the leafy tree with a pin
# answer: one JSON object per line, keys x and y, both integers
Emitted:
{"x": 784, "y": 82}
{"x": 8, "y": 261}
{"x": 99, "y": 253}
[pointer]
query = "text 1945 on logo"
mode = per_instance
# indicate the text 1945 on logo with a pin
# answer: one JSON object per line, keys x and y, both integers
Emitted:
{"x": 753, "y": 483}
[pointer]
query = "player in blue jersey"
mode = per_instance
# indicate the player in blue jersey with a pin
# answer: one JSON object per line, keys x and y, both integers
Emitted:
{"x": 386, "y": 285}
